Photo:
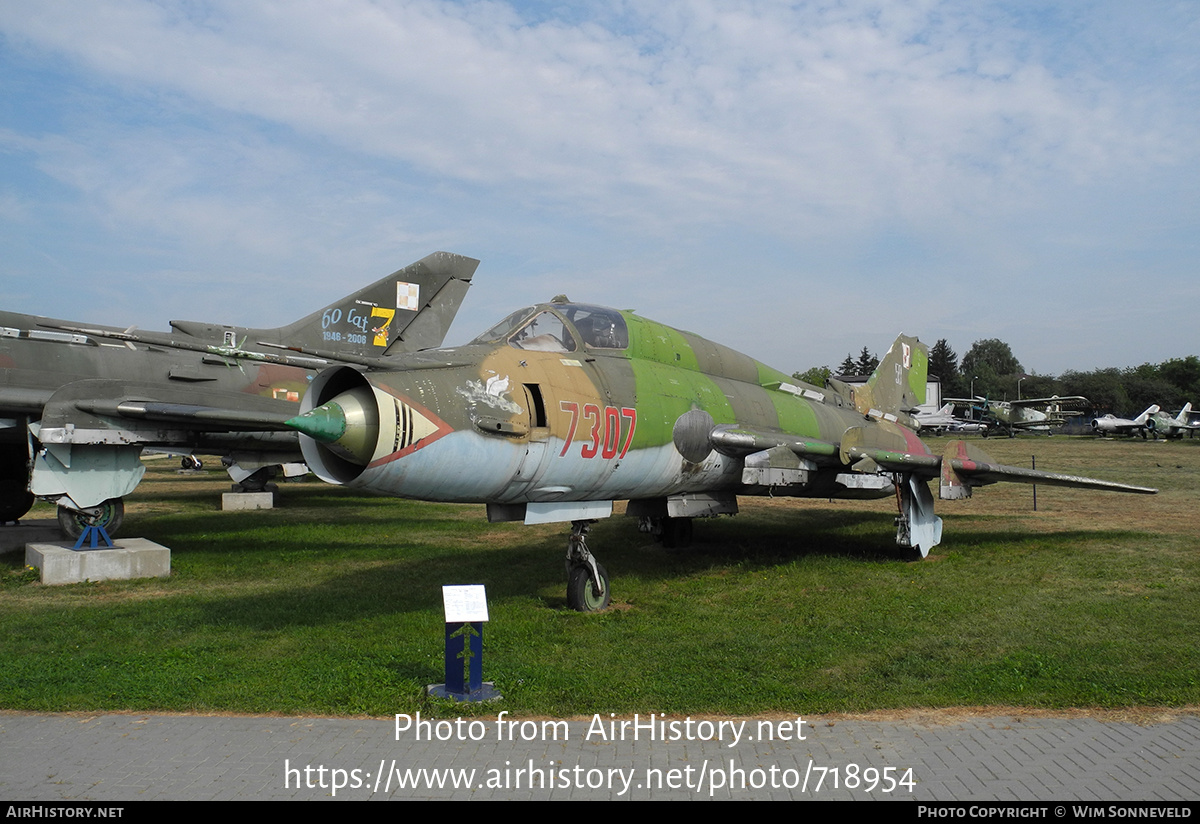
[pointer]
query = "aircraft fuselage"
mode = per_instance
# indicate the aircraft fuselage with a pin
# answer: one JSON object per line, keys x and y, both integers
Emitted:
{"x": 502, "y": 422}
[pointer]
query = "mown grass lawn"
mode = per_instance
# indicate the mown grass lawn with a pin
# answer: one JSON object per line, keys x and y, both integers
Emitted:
{"x": 331, "y": 604}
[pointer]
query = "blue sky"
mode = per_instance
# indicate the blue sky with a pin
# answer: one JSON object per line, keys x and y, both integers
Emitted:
{"x": 794, "y": 180}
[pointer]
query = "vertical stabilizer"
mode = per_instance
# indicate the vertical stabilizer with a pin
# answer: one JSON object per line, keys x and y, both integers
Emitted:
{"x": 408, "y": 310}
{"x": 897, "y": 386}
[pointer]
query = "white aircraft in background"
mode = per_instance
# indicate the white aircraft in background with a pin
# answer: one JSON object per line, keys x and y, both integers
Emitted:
{"x": 1112, "y": 425}
{"x": 943, "y": 420}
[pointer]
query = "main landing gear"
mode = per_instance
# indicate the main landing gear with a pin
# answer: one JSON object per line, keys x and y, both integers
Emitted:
{"x": 108, "y": 515}
{"x": 587, "y": 579}
{"x": 15, "y": 501}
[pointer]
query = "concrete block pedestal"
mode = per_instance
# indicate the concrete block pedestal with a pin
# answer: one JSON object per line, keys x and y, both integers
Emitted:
{"x": 241, "y": 501}
{"x": 128, "y": 558}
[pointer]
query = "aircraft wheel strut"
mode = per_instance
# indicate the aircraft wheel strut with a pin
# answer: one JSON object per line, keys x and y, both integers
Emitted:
{"x": 110, "y": 516}
{"x": 587, "y": 580}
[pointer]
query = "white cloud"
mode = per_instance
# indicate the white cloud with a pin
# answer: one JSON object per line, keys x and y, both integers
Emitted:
{"x": 878, "y": 142}
{"x": 845, "y": 114}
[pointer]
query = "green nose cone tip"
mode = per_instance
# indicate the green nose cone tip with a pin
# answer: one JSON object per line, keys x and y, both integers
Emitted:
{"x": 325, "y": 423}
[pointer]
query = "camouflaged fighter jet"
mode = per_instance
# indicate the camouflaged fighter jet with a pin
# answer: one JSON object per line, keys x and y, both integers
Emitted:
{"x": 1162, "y": 425}
{"x": 82, "y": 402}
{"x": 562, "y": 408}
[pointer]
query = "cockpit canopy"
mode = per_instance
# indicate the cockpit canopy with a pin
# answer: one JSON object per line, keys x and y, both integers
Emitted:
{"x": 561, "y": 328}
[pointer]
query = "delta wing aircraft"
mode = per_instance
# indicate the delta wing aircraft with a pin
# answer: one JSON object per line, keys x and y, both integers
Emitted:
{"x": 1112, "y": 425}
{"x": 562, "y": 408}
{"x": 80, "y": 403}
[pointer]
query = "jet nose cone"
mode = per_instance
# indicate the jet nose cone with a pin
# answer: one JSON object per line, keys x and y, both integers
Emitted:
{"x": 326, "y": 423}
{"x": 348, "y": 425}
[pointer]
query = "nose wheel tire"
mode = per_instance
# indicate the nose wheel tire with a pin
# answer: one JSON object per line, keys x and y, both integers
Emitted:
{"x": 581, "y": 591}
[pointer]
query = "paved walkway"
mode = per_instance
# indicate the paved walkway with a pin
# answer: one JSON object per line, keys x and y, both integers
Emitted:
{"x": 1004, "y": 758}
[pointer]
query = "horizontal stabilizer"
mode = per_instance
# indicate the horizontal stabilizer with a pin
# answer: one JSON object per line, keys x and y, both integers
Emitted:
{"x": 965, "y": 465}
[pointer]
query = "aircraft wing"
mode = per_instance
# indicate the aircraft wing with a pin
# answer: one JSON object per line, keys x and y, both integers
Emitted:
{"x": 1059, "y": 401}
{"x": 960, "y": 467}
{"x": 1049, "y": 420}
{"x": 102, "y": 411}
{"x": 305, "y": 358}
{"x": 93, "y": 432}
{"x": 164, "y": 340}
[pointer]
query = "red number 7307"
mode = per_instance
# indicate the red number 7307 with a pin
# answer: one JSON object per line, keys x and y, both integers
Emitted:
{"x": 604, "y": 436}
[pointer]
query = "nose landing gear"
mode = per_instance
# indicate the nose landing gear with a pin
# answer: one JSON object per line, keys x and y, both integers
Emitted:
{"x": 587, "y": 579}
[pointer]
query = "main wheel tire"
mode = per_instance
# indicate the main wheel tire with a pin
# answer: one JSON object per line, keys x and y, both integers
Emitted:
{"x": 257, "y": 481}
{"x": 581, "y": 592}
{"x": 73, "y": 523}
{"x": 15, "y": 501}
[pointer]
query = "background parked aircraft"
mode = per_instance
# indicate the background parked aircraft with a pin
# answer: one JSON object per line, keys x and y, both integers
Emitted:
{"x": 1030, "y": 414}
{"x": 1163, "y": 425}
{"x": 79, "y": 403}
{"x": 1112, "y": 425}
{"x": 944, "y": 420}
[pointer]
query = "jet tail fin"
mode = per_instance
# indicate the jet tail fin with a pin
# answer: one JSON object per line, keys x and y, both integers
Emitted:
{"x": 1145, "y": 416}
{"x": 409, "y": 310}
{"x": 897, "y": 386}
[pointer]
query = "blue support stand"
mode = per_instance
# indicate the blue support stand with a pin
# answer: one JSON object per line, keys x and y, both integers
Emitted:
{"x": 93, "y": 534}
{"x": 464, "y": 665}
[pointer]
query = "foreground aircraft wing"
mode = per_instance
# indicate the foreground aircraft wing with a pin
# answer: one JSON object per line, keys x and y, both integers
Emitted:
{"x": 960, "y": 467}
